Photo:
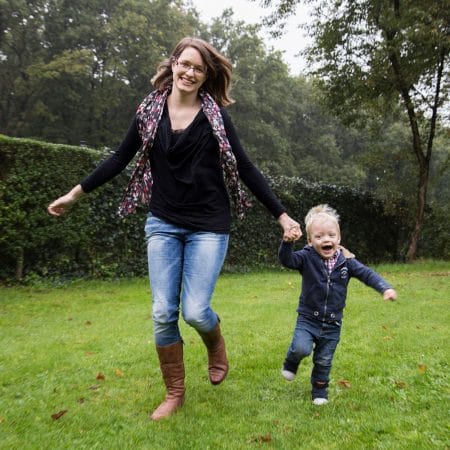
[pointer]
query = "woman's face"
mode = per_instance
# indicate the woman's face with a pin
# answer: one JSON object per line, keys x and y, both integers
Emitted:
{"x": 189, "y": 71}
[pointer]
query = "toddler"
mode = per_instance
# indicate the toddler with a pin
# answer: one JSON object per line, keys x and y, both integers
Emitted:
{"x": 326, "y": 268}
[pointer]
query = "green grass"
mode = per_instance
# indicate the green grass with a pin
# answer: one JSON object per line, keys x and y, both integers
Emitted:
{"x": 393, "y": 358}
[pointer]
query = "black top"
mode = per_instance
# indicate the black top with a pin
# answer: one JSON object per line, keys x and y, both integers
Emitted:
{"x": 188, "y": 185}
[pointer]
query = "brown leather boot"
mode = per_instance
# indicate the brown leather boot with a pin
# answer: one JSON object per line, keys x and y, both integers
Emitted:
{"x": 217, "y": 357}
{"x": 172, "y": 368}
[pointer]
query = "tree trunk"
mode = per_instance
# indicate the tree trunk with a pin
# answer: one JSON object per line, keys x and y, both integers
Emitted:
{"x": 19, "y": 264}
{"x": 404, "y": 89}
{"x": 411, "y": 254}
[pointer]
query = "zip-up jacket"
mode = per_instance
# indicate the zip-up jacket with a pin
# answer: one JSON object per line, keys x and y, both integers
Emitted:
{"x": 323, "y": 294}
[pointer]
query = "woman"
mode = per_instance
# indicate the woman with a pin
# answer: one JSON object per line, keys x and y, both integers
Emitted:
{"x": 190, "y": 162}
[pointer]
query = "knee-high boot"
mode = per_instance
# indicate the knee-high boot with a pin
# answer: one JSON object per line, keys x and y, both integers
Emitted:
{"x": 217, "y": 357}
{"x": 172, "y": 368}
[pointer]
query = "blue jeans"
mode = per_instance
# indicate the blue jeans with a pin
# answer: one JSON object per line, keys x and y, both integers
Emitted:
{"x": 183, "y": 267}
{"x": 324, "y": 337}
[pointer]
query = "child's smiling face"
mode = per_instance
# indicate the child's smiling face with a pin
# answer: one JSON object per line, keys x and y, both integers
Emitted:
{"x": 325, "y": 237}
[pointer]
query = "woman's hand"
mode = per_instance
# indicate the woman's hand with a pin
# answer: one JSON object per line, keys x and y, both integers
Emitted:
{"x": 291, "y": 228}
{"x": 62, "y": 204}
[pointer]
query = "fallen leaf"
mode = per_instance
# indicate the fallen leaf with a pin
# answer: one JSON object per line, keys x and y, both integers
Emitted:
{"x": 59, "y": 414}
{"x": 93, "y": 387}
{"x": 422, "y": 368}
{"x": 400, "y": 384}
{"x": 263, "y": 438}
{"x": 90, "y": 353}
{"x": 344, "y": 383}
{"x": 118, "y": 373}
{"x": 100, "y": 376}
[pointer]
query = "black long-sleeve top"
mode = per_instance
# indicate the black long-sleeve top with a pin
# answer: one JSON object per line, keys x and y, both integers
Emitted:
{"x": 188, "y": 184}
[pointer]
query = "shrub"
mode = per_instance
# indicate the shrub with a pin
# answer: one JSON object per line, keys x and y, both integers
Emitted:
{"x": 366, "y": 229}
{"x": 89, "y": 241}
{"x": 93, "y": 241}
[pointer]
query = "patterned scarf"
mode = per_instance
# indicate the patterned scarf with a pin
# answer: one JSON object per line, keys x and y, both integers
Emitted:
{"x": 148, "y": 116}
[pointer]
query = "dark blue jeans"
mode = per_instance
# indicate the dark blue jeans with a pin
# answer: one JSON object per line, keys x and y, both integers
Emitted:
{"x": 323, "y": 338}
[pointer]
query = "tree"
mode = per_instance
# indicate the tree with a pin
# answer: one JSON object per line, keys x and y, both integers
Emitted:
{"x": 281, "y": 123}
{"x": 260, "y": 88}
{"x": 73, "y": 72}
{"x": 381, "y": 53}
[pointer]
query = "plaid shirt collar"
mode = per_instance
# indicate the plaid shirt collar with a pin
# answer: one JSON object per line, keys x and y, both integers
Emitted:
{"x": 331, "y": 262}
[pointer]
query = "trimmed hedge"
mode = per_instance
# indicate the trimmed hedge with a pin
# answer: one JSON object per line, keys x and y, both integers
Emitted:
{"x": 89, "y": 241}
{"x": 366, "y": 229}
{"x": 92, "y": 241}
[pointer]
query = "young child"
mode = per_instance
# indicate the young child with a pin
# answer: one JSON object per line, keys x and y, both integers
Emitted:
{"x": 326, "y": 268}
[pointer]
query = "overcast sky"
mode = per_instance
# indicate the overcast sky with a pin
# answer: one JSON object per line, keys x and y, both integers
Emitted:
{"x": 291, "y": 42}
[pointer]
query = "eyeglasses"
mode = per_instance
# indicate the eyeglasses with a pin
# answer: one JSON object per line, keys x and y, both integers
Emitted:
{"x": 186, "y": 67}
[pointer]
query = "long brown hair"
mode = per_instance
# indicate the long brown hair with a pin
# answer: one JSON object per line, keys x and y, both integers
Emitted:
{"x": 218, "y": 72}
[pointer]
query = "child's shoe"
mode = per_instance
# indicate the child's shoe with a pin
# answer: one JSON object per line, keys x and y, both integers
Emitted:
{"x": 287, "y": 374}
{"x": 319, "y": 393}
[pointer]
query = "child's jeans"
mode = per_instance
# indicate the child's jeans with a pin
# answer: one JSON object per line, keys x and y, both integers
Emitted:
{"x": 324, "y": 337}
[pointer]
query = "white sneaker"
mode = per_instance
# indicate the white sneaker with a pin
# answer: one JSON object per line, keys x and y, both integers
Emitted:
{"x": 320, "y": 401}
{"x": 287, "y": 375}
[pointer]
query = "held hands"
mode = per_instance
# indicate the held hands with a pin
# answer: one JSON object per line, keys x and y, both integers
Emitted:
{"x": 291, "y": 228}
{"x": 389, "y": 294}
{"x": 62, "y": 204}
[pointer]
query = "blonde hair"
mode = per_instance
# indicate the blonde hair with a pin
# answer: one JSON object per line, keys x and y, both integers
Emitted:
{"x": 321, "y": 212}
{"x": 218, "y": 70}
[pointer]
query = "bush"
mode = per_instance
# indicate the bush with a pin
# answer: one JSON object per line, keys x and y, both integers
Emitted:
{"x": 435, "y": 239}
{"x": 366, "y": 229}
{"x": 93, "y": 241}
{"x": 88, "y": 242}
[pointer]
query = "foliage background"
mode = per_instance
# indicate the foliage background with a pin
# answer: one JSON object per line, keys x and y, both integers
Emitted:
{"x": 93, "y": 241}
{"x": 74, "y": 72}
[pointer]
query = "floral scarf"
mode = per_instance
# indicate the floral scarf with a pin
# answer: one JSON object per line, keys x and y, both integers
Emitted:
{"x": 148, "y": 117}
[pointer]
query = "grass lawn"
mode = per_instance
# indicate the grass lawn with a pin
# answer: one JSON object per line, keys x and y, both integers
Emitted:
{"x": 87, "y": 349}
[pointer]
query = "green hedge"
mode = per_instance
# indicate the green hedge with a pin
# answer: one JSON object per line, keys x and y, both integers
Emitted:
{"x": 368, "y": 231}
{"x": 92, "y": 241}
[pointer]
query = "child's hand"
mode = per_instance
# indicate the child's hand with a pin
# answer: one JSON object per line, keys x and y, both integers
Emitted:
{"x": 389, "y": 294}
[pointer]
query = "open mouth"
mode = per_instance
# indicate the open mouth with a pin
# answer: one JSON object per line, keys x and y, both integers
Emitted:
{"x": 327, "y": 247}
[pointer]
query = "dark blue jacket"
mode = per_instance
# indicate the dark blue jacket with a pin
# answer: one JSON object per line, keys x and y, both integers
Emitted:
{"x": 323, "y": 294}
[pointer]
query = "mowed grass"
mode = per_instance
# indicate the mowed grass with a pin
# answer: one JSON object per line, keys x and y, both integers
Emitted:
{"x": 86, "y": 351}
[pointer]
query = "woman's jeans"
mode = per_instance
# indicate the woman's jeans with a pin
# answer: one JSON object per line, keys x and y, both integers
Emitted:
{"x": 324, "y": 337}
{"x": 183, "y": 268}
